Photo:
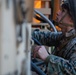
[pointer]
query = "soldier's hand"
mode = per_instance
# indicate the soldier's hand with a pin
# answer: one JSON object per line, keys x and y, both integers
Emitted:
{"x": 41, "y": 51}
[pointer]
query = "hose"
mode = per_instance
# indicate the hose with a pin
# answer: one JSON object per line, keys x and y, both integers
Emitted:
{"x": 46, "y": 19}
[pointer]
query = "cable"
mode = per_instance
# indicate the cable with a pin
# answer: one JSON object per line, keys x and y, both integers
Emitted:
{"x": 46, "y": 19}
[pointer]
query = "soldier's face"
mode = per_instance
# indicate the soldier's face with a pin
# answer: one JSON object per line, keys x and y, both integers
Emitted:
{"x": 66, "y": 19}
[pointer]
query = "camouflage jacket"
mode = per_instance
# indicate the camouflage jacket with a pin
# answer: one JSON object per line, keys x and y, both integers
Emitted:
{"x": 62, "y": 61}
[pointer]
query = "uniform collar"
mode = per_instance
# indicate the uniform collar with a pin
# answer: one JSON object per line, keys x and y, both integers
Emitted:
{"x": 70, "y": 33}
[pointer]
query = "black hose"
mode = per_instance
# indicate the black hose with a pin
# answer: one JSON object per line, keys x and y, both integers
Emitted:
{"x": 37, "y": 69}
{"x": 36, "y": 41}
{"x": 46, "y": 19}
{"x": 39, "y": 18}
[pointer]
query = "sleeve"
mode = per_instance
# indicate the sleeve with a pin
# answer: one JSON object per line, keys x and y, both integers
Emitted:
{"x": 47, "y": 38}
{"x": 59, "y": 66}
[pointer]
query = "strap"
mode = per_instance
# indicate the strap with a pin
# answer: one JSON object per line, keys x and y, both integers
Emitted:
{"x": 62, "y": 17}
{"x": 60, "y": 22}
{"x": 66, "y": 24}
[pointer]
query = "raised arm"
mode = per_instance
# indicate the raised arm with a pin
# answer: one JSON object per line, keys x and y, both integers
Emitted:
{"x": 47, "y": 38}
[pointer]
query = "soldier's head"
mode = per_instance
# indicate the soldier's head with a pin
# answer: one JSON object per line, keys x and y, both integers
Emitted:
{"x": 64, "y": 17}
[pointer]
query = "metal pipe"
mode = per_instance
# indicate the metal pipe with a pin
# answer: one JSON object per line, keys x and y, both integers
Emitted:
{"x": 28, "y": 16}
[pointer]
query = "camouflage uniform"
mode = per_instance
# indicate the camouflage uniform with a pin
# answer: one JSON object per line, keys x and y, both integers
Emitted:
{"x": 62, "y": 61}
